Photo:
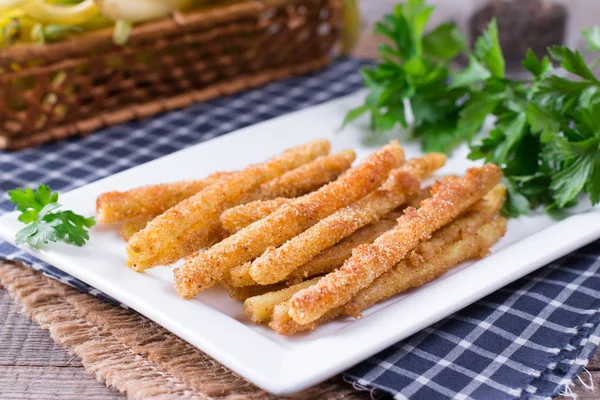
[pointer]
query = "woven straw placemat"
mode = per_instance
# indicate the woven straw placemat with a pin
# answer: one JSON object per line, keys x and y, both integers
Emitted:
{"x": 130, "y": 353}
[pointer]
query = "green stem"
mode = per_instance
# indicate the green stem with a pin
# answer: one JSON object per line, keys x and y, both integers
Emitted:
{"x": 595, "y": 64}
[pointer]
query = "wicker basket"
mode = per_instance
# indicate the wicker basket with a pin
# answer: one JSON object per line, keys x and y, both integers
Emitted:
{"x": 75, "y": 87}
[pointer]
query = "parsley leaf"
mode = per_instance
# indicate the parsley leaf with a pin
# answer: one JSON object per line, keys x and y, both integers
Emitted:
{"x": 474, "y": 73}
{"x": 489, "y": 52}
{"x": 547, "y": 133}
{"x": 354, "y": 114}
{"x": 516, "y": 204}
{"x": 39, "y": 209}
{"x": 593, "y": 183}
{"x": 536, "y": 66}
{"x": 474, "y": 113}
{"x": 572, "y": 61}
{"x": 542, "y": 123}
{"x": 30, "y": 203}
{"x": 444, "y": 42}
{"x": 437, "y": 137}
{"x": 72, "y": 228}
{"x": 592, "y": 37}
{"x": 569, "y": 182}
{"x": 41, "y": 232}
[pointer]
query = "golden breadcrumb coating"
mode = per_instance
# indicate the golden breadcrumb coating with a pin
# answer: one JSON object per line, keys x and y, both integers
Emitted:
{"x": 279, "y": 191}
{"x": 259, "y": 309}
{"x": 237, "y": 218}
{"x": 368, "y": 262}
{"x": 332, "y": 258}
{"x": 306, "y": 178}
{"x": 148, "y": 201}
{"x": 303, "y": 237}
{"x": 239, "y": 276}
{"x": 324, "y": 262}
{"x": 472, "y": 219}
{"x": 404, "y": 276}
{"x": 284, "y": 324}
{"x": 189, "y": 225}
{"x": 290, "y": 220}
{"x": 277, "y": 263}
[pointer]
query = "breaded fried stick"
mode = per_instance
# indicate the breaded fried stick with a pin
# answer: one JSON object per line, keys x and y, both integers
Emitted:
{"x": 472, "y": 219}
{"x": 239, "y": 276}
{"x": 130, "y": 228}
{"x": 333, "y": 258}
{"x": 188, "y": 226}
{"x": 305, "y": 178}
{"x": 326, "y": 261}
{"x": 274, "y": 194}
{"x": 138, "y": 206}
{"x": 297, "y": 181}
{"x": 259, "y": 309}
{"x": 402, "y": 277}
{"x": 282, "y": 323}
{"x": 148, "y": 201}
{"x": 368, "y": 262}
{"x": 203, "y": 271}
{"x": 405, "y": 275}
{"x": 237, "y": 218}
{"x": 277, "y": 263}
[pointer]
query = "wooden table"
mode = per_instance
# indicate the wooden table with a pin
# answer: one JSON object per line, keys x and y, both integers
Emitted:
{"x": 32, "y": 364}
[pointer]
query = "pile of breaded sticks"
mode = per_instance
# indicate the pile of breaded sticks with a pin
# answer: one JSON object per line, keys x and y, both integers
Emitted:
{"x": 305, "y": 237}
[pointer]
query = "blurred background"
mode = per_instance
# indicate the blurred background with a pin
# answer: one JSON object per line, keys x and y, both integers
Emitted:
{"x": 522, "y": 23}
{"x": 72, "y": 67}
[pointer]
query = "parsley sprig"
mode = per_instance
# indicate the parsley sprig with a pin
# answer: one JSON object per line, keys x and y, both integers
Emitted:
{"x": 546, "y": 130}
{"x": 415, "y": 68}
{"x": 45, "y": 222}
{"x": 547, "y": 139}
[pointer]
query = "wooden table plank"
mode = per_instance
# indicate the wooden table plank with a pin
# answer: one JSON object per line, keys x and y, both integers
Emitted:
{"x": 23, "y": 343}
{"x": 28, "y": 382}
{"x": 584, "y": 393}
{"x": 32, "y": 364}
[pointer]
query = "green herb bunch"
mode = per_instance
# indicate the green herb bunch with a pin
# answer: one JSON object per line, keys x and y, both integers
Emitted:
{"x": 415, "y": 68}
{"x": 547, "y": 140}
{"x": 546, "y": 130}
{"x": 45, "y": 222}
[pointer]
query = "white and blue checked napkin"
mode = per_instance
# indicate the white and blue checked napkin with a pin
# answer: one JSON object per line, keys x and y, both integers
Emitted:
{"x": 528, "y": 340}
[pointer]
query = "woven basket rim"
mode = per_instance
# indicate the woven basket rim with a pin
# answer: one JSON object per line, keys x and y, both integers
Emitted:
{"x": 24, "y": 52}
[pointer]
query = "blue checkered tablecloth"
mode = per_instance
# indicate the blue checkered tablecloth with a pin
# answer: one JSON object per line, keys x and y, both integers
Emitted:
{"x": 528, "y": 340}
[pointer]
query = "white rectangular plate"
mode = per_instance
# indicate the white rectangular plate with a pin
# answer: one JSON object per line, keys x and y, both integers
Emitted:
{"x": 216, "y": 325}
